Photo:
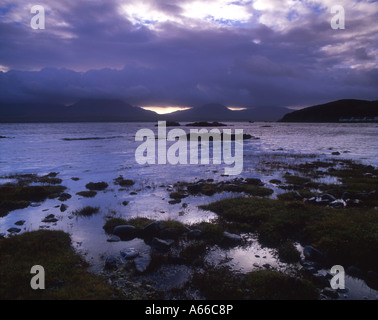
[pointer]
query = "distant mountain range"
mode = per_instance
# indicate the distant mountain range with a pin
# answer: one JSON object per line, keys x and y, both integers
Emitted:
{"x": 337, "y": 111}
{"x": 87, "y": 110}
{"x": 107, "y": 110}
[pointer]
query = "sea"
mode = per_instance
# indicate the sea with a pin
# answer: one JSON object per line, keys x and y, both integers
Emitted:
{"x": 95, "y": 152}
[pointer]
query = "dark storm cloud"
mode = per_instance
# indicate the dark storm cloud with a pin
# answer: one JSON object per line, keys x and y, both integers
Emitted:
{"x": 91, "y": 49}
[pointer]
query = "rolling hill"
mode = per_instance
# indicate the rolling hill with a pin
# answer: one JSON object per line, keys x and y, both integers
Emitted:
{"x": 337, "y": 111}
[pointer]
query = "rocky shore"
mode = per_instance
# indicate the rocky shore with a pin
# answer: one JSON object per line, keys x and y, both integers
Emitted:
{"x": 308, "y": 224}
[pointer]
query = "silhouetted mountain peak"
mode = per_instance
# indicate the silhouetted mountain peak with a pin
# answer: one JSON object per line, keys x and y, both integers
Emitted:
{"x": 347, "y": 110}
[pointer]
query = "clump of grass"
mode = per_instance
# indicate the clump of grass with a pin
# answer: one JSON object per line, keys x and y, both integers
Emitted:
{"x": 138, "y": 223}
{"x": 7, "y": 206}
{"x": 173, "y": 224}
{"x": 177, "y": 195}
{"x": 50, "y": 179}
{"x": 97, "y": 186}
{"x": 123, "y": 182}
{"x": 210, "y": 189}
{"x": 28, "y": 178}
{"x": 348, "y": 236}
{"x": 19, "y": 196}
{"x": 221, "y": 284}
{"x": 274, "y": 220}
{"x": 257, "y": 191}
{"x": 291, "y": 179}
{"x": 249, "y": 189}
{"x": 288, "y": 253}
{"x": 52, "y": 250}
{"x": 87, "y": 211}
{"x": 254, "y": 181}
{"x": 87, "y": 194}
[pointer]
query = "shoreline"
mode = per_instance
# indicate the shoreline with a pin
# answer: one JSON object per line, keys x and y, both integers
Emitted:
{"x": 295, "y": 189}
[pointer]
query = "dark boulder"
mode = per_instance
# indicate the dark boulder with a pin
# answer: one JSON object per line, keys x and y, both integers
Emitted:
{"x": 328, "y": 197}
{"x": 114, "y": 239}
{"x": 161, "y": 245}
{"x": 110, "y": 263}
{"x": 125, "y": 232}
{"x": 50, "y": 219}
{"x": 14, "y": 230}
{"x": 129, "y": 254}
{"x": 152, "y": 230}
{"x": 64, "y": 197}
{"x": 142, "y": 263}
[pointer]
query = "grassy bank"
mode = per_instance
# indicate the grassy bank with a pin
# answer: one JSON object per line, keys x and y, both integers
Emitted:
{"x": 20, "y": 193}
{"x": 346, "y": 235}
{"x": 66, "y": 275}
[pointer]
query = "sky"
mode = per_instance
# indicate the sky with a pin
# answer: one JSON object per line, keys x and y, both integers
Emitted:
{"x": 186, "y": 53}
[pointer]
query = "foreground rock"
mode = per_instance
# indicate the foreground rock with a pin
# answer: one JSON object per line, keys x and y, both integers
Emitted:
{"x": 14, "y": 230}
{"x": 161, "y": 245}
{"x": 126, "y": 232}
{"x": 50, "y": 219}
{"x": 129, "y": 254}
{"x": 64, "y": 197}
{"x": 152, "y": 230}
{"x": 114, "y": 239}
{"x": 110, "y": 263}
{"x": 142, "y": 263}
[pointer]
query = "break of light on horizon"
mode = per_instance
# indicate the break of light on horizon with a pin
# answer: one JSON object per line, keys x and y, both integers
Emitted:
{"x": 171, "y": 109}
{"x": 165, "y": 110}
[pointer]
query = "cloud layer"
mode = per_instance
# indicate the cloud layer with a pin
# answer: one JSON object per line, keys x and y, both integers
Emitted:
{"x": 188, "y": 52}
